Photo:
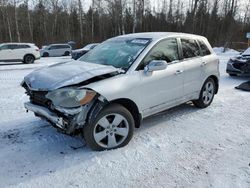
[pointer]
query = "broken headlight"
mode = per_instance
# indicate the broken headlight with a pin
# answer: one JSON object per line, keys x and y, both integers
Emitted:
{"x": 70, "y": 98}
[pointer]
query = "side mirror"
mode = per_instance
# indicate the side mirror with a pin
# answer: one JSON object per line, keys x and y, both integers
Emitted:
{"x": 156, "y": 65}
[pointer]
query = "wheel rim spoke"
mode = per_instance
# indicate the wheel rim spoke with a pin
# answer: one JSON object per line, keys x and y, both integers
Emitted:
{"x": 207, "y": 86}
{"x": 204, "y": 93}
{"x": 210, "y": 88}
{"x": 100, "y": 136}
{"x": 122, "y": 131}
{"x": 117, "y": 120}
{"x": 208, "y": 93}
{"x": 103, "y": 122}
{"x": 210, "y": 96}
{"x": 111, "y": 141}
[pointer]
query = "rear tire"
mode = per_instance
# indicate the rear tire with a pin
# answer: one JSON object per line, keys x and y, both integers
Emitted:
{"x": 206, "y": 95}
{"x": 67, "y": 53}
{"x": 45, "y": 54}
{"x": 28, "y": 59}
{"x": 112, "y": 128}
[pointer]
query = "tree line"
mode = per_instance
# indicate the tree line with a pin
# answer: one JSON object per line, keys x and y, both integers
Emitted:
{"x": 49, "y": 21}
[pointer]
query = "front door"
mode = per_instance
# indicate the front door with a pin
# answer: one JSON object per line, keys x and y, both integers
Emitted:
{"x": 6, "y": 53}
{"x": 161, "y": 89}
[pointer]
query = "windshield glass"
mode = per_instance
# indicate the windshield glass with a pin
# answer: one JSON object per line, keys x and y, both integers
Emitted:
{"x": 120, "y": 53}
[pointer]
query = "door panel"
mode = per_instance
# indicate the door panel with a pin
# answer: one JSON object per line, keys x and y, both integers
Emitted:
{"x": 162, "y": 88}
{"x": 192, "y": 63}
{"x": 6, "y": 54}
{"x": 192, "y": 75}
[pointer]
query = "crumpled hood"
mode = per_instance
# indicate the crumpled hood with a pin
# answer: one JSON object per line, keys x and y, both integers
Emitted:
{"x": 65, "y": 74}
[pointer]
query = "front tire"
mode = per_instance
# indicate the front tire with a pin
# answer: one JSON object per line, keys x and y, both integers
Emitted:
{"x": 206, "y": 95}
{"x": 112, "y": 128}
{"x": 29, "y": 59}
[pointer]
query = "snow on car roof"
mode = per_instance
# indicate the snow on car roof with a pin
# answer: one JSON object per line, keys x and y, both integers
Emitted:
{"x": 158, "y": 35}
{"x": 17, "y": 43}
{"x": 246, "y": 53}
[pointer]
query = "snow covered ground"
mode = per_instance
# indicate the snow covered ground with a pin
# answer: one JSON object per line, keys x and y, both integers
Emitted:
{"x": 181, "y": 147}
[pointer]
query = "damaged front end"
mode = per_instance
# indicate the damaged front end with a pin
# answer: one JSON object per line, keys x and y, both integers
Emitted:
{"x": 66, "y": 109}
{"x": 239, "y": 66}
{"x": 57, "y": 93}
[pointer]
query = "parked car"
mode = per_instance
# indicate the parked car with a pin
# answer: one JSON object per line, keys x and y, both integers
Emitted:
{"x": 108, "y": 91}
{"x": 239, "y": 65}
{"x": 76, "y": 54}
{"x": 55, "y": 50}
{"x": 24, "y": 52}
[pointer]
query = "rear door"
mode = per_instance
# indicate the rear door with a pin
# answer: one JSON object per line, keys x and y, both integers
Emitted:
{"x": 20, "y": 50}
{"x": 192, "y": 62}
{"x": 54, "y": 50}
{"x": 64, "y": 49}
{"x": 210, "y": 63}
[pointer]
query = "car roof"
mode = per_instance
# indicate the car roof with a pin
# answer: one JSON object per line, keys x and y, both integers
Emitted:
{"x": 59, "y": 44}
{"x": 159, "y": 35}
{"x": 17, "y": 43}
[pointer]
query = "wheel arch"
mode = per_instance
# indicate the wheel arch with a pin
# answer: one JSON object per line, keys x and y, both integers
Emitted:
{"x": 216, "y": 81}
{"x": 28, "y": 54}
{"x": 131, "y": 107}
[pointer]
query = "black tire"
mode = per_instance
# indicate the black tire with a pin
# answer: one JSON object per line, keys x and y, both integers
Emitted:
{"x": 90, "y": 129}
{"x": 45, "y": 54}
{"x": 67, "y": 53}
{"x": 29, "y": 59}
{"x": 232, "y": 75}
{"x": 201, "y": 103}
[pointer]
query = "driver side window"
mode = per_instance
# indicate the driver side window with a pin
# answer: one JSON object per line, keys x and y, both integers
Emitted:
{"x": 165, "y": 50}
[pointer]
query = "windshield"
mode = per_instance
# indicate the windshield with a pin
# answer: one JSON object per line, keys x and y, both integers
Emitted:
{"x": 120, "y": 53}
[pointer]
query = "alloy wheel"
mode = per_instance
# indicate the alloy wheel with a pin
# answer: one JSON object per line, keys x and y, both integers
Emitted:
{"x": 208, "y": 92}
{"x": 111, "y": 130}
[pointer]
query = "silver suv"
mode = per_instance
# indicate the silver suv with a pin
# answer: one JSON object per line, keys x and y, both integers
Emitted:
{"x": 55, "y": 50}
{"x": 108, "y": 91}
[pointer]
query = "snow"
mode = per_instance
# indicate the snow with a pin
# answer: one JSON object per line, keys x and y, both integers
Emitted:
{"x": 181, "y": 147}
{"x": 220, "y": 51}
{"x": 45, "y": 61}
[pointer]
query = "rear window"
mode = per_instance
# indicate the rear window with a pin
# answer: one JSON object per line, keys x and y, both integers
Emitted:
{"x": 54, "y": 47}
{"x": 190, "y": 48}
{"x": 204, "y": 49}
{"x": 22, "y": 46}
{"x": 63, "y": 46}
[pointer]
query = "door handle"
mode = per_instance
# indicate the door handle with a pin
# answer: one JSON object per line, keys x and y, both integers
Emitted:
{"x": 204, "y": 64}
{"x": 179, "y": 72}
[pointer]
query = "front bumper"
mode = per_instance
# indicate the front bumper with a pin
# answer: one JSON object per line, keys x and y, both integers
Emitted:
{"x": 46, "y": 114}
{"x": 69, "y": 121}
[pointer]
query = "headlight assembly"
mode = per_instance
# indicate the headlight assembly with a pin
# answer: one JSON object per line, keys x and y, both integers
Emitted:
{"x": 70, "y": 98}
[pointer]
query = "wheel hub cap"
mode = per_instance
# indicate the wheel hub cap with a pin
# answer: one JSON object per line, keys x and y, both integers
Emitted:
{"x": 208, "y": 93}
{"x": 111, "y": 130}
